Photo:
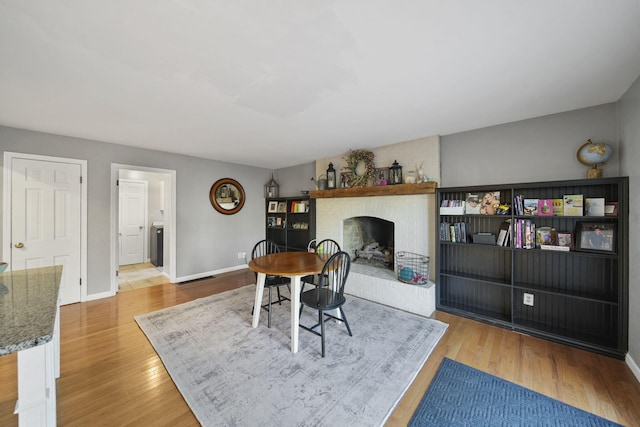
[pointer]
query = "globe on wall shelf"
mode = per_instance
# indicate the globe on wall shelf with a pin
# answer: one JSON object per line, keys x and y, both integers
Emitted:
{"x": 594, "y": 155}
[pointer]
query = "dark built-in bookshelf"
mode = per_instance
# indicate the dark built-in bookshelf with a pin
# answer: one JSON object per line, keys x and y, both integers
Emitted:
{"x": 293, "y": 223}
{"x": 577, "y": 297}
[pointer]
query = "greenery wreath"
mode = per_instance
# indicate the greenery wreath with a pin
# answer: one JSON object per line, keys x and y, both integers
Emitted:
{"x": 353, "y": 159}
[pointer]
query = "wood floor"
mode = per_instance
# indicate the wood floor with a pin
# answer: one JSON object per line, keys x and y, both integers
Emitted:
{"x": 111, "y": 376}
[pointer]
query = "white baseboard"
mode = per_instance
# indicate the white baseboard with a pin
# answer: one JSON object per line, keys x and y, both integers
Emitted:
{"x": 209, "y": 273}
{"x": 633, "y": 366}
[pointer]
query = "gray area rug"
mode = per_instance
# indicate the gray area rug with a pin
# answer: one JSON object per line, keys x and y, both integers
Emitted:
{"x": 233, "y": 375}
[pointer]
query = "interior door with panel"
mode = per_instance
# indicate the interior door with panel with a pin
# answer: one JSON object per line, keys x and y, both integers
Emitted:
{"x": 45, "y": 220}
{"x": 132, "y": 223}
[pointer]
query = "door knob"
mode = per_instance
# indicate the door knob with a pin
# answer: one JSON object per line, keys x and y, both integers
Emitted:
{"x": 19, "y": 245}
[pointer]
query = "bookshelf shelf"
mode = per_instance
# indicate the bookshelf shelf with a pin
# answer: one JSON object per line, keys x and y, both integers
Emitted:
{"x": 580, "y": 298}
{"x": 294, "y": 226}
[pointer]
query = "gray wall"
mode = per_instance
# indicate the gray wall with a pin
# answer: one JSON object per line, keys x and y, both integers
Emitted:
{"x": 206, "y": 240}
{"x": 629, "y": 116}
{"x": 540, "y": 149}
{"x": 295, "y": 179}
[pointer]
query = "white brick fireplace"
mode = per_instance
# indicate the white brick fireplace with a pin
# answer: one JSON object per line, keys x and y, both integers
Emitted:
{"x": 413, "y": 216}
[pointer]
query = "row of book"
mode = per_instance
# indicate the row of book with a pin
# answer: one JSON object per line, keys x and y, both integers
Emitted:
{"x": 456, "y": 233}
{"x": 522, "y": 234}
{"x": 568, "y": 205}
{"x": 299, "y": 207}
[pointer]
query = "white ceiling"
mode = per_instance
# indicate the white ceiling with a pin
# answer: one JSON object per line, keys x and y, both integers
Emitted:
{"x": 283, "y": 82}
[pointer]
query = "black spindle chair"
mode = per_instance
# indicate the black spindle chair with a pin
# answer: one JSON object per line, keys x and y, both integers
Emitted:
{"x": 266, "y": 247}
{"x": 328, "y": 295}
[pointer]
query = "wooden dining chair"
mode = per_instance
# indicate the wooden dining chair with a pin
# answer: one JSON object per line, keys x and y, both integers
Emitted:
{"x": 328, "y": 295}
{"x": 266, "y": 247}
{"x": 326, "y": 246}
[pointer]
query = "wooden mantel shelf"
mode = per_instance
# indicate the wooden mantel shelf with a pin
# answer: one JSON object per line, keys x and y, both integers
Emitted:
{"x": 380, "y": 190}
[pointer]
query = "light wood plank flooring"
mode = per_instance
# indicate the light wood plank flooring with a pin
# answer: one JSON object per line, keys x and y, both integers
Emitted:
{"x": 111, "y": 375}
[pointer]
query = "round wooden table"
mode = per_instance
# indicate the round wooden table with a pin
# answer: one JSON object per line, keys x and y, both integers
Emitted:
{"x": 289, "y": 264}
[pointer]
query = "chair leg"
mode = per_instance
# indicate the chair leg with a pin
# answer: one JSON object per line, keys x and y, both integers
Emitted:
{"x": 320, "y": 319}
{"x": 279, "y": 297}
{"x": 344, "y": 319}
{"x": 269, "y": 309}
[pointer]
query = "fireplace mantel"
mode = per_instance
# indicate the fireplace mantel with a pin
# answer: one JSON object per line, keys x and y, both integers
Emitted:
{"x": 379, "y": 190}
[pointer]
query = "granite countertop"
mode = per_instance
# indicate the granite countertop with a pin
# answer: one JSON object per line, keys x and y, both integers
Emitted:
{"x": 28, "y": 307}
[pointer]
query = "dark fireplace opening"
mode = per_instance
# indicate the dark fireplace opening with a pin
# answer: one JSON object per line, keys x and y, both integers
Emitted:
{"x": 369, "y": 241}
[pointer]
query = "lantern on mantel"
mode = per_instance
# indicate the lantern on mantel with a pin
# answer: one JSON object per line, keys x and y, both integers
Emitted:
{"x": 271, "y": 188}
{"x": 331, "y": 177}
{"x": 395, "y": 173}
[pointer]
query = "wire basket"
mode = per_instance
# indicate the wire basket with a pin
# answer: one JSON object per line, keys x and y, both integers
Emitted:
{"x": 412, "y": 268}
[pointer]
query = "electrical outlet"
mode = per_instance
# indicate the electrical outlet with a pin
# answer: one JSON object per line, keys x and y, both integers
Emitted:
{"x": 528, "y": 299}
{"x": 242, "y": 255}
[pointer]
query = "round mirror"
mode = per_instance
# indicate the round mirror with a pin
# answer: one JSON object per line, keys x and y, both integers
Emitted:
{"x": 227, "y": 196}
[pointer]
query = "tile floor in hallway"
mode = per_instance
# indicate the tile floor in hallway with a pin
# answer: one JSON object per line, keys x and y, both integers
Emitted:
{"x": 136, "y": 276}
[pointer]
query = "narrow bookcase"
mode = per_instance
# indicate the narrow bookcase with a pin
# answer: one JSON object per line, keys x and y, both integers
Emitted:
{"x": 577, "y": 297}
{"x": 293, "y": 223}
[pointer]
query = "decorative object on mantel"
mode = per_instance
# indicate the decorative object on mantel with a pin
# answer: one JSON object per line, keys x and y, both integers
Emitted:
{"x": 331, "y": 177}
{"x": 271, "y": 188}
{"x": 395, "y": 173}
{"x": 410, "y": 177}
{"x": 356, "y": 159}
{"x": 594, "y": 155}
{"x": 421, "y": 176}
{"x": 321, "y": 182}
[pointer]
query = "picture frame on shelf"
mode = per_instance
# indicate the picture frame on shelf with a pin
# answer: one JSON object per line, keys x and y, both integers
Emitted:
{"x": 344, "y": 180}
{"x": 597, "y": 237}
{"x": 611, "y": 209}
{"x": 282, "y": 207}
{"x": 273, "y": 207}
{"x": 565, "y": 238}
{"x": 382, "y": 176}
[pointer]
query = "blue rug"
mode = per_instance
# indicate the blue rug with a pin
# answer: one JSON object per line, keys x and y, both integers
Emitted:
{"x": 460, "y": 395}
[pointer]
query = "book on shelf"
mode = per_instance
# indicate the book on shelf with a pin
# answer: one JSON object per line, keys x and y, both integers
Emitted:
{"x": 518, "y": 204}
{"x": 489, "y": 202}
{"x": 530, "y": 207}
{"x": 524, "y": 234}
{"x": 558, "y": 207}
{"x": 595, "y": 206}
{"x": 457, "y": 232}
{"x": 545, "y": 207}
{"x": 504, "y": 233}
{"x": 573, "y": 204}
{"x": 472, "y": 203}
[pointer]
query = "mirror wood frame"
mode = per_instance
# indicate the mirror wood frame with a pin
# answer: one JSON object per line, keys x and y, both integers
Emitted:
{"x": 214, "y": 201}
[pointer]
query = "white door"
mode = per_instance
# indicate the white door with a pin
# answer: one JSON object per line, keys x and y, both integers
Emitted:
{"x": 46, "y": 220}
{"x": 131, "y": 227}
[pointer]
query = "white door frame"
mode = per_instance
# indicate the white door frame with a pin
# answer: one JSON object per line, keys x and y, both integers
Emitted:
{"x": 170, "y": 207}
{"x": 6, "y": 208}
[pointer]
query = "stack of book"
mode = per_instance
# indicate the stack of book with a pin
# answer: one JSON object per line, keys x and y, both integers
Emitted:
{"x": 456, "y": 233}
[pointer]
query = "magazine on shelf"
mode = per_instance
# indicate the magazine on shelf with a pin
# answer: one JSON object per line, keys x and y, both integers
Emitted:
{"x": 573, "y": 205}
{"x": 530, "y": 207}
{"x": 545, "y": 207}
{"x": 595, "y": 206}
